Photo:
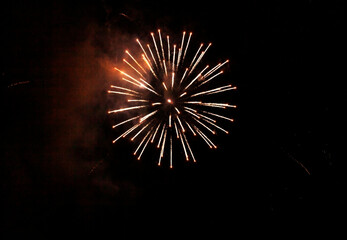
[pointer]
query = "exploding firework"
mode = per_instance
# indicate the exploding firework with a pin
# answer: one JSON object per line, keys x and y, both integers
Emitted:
{"x": 168, "y": 96}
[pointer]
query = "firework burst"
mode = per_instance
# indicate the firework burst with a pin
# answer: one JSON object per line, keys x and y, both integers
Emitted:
{"x": 168, "y": 96}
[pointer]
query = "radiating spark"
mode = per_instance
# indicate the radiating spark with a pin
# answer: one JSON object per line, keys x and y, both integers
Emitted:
{"x": 137, "y": 83}
{"x": 181, "y": 49}
{"x": 218, "y": 66}
{"x": 153, "y": 58}
{"x": 165, "y": 86}
{"x": 161, "y": 135}
{"x": 192, "y": 113}
{"x": 184, "y": 74}
{"x": 191, "y": 129}
{"x": 161, "y": 45}
{"x": 205, "y": 126}
{"x": 184, "y": 147}
{"x": 127, "y": 109}
{"x": 156, "y": 48}
{"x": 220, "y": 116}
{"x": 143, "y": 128}
{"x": 197, "y": 77}
{"x": 173, "y": 57}
{"x": 138, "y": 100}
{"x": 212, "y": 122}
{"x": 162, "y": 148}
{"x": 149, "y": 66}
{"x": 196, "y": 54}
{"x": 138, "y": 147}
{"x": 173, "y": 79}
{"x": 122, "y": 93}
{"x": 143, "y": 50}
{"x": 168, "y": 48}
{"x": 203, "y": 136}
{"x": 199, "y": 58}
{"x": 185, "y": 93}
{"x": 190, "y": 150}
{"x": 148, "y": 115}
{"x": 176, "y": 130}
{"x": 144, "y": 147}
{"x": 178, "y": 111}
{"x": 185, "y": 51}
{"x": 126, "y": 89}
{"x": 179, "y": 121}
{"x": 205, "y": 117}
{"x": 155, "y": 132}
{"x": 171, "y": 151}
{"x": 127, "y": 52}
{"x": 128, "y": 120}
{"x": 215, "y": 90}
{"x": 126, "y": 132}
{"x": 165, "y": 69}
{"x": 129, "y": 64}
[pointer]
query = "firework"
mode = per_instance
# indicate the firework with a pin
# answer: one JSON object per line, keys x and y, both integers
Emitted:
{"x": 167, "y": 92}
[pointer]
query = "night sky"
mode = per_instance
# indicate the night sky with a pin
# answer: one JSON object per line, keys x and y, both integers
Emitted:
{"x": 280, "y": 171}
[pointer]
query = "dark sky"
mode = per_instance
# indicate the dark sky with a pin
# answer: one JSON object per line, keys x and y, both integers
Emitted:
{"x": 280, "y": 168}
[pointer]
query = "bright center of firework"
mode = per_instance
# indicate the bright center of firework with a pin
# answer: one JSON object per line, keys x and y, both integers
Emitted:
{"x": 168, "y": 93}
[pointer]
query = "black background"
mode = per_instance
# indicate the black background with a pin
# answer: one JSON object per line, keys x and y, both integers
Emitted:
{"x": 280, "y": 170}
